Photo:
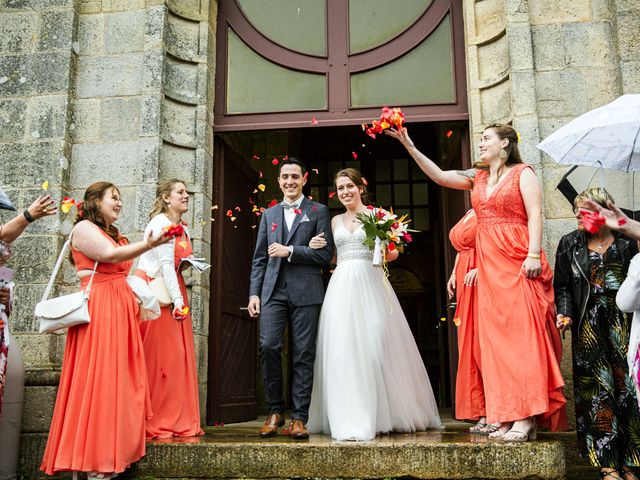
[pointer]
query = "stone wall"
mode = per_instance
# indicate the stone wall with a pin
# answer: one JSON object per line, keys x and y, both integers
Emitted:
{"x": 100, "y": 90}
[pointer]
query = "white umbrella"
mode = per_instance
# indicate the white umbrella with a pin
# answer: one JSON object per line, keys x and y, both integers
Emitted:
{"x": 607, "y": 137}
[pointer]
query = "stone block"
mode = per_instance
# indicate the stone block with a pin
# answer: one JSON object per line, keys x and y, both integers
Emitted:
{"x": 191, "y": 9}
{"x": 178, "y": 124}
{"x": 117, "y": 75}
{"x": 520, "y": 48}
{"x": 602, "y": 9}
{"x": 152, "y": 70}
{"x": 180, "y": 81}
{"x": 32, "y": 254}
{"x": 493, "y": 59}
{"x": 123, "y": 163}
{"x": 47, "y": 117}
{"x": 177, "y": 162}
{"x": 15, "y": 5}
{"x": 36, "y": 348}
{"x": 204, "y": 167}
{"x": 548, "y": 47}
{"x": 145, "y": 197}
{"x": 553, "y": 231}
{"x": 120, "y": 119}
{"x": 200, "y": 309}
{"x": 182, "y": 38}
{"x": 496, "y": 103}
{"x": 527, "y": 127}
{"x": 55, "y": 30}
{"x": 555, "y": 204}
{"x": 154, "y": 27}
{"x": 489, "y": 18}
{"x": 524, "y": 100}
{"x": 517, "y": 11}
{"x": 38, "y": 408}
{"x": 91, "y": 34}
{"x": 630, "y": 76}
{"x": 22, "y": 318}
{"x": 13, "y": 116}
{"x": 150, "y": 114}
{"x": 124, "y": 32}
{"x": 42, "y": 160}
{"x": 36, "y": 73}
{"x": 122, "y": 5}
{"x": 560, "y": 11}
{"x": 590, "y": 45}
{"x": 85, "y": 120}
{"x": 18, "y": 31}
{"x": 629, "y": 34}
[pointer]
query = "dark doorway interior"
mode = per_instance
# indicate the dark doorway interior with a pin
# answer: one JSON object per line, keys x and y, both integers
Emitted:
{"x": 418, "y": 277}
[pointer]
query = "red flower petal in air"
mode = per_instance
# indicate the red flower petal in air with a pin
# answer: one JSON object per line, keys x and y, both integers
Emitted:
{"x": 237, "y": 209}
{"x": 272, "y": 203}
{"x": 314, "y": 121}
{"x": 449, "y": 133}
{"x": 297, "y": 211}
{"x": 354, "y": 155}
{"x": 275, "y": 161}
{"x": 274, "y": 226}
{"x": 256, "y": 157}
{"x": 285, "y": 158}
{"x": 260, "y": 174}
{"x": 332, "y": 194}
{"x": 306, "y": 176}
{"x": 229, "y": 213}
{"x": 315, "y": 170}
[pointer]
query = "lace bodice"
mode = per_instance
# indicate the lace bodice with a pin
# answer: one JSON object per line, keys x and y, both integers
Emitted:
{"x": 349, "y": 245}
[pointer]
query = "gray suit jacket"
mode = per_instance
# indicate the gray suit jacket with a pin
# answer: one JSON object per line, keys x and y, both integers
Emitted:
{"x": 304, "y": 276}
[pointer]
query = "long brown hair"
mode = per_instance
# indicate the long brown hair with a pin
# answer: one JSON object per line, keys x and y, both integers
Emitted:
{"x": 506, "y": 132}
{"x": 89, "y": 209}
{"x": 163, "y": 188}
{"x": 356, "y": 177}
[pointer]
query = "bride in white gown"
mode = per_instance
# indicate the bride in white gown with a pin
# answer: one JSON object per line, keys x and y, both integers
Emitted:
{"x": 368, "y": 373}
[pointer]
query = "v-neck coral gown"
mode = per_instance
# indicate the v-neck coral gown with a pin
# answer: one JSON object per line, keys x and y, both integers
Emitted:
{"x": 99, "y": 417}
{"x": 470, "y": 403}
{"x": 521, "y": 347}
{"x": 171, "y": 366}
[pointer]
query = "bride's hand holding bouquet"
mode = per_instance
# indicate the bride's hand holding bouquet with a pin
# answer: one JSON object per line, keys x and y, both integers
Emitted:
{"x": 386, "y": 234}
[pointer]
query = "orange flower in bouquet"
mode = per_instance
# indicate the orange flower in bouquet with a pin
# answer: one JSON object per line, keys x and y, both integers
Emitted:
{"x": 390, "y": 117}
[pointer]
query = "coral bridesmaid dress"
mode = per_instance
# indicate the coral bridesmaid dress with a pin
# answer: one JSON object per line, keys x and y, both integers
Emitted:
{"x": 470, "y": 403}
{"x": 171, "y": 365}
{"x": 99, "y": 418}
{"x": 520, "y": 344}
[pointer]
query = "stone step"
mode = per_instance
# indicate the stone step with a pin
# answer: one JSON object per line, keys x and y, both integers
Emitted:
{"x": 237, "y": 452}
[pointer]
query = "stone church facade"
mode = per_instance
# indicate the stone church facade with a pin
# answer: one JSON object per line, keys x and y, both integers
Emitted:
{"x": 123, "y": 90}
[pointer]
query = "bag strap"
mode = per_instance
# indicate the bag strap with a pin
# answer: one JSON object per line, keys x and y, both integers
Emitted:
{"x": 54, "y": 274}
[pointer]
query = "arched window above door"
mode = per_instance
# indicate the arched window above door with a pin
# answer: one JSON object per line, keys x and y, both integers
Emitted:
{"x": 282, "y": 62}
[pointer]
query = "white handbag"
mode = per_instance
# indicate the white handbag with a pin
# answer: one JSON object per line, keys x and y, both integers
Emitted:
{"x": 160, "y": 290}
{"x": 149, "y": 306}
{"x": 68, "y": 310}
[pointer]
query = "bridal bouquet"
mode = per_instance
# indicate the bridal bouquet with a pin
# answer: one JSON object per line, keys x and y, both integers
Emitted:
{"x": 384, "y": 230}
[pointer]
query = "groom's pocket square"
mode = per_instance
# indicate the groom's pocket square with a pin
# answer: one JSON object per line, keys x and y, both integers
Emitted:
{"x": 305, "y": 219}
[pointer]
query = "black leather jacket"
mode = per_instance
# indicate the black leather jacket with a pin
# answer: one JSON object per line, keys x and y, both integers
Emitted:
{"x": 571, "y": 280}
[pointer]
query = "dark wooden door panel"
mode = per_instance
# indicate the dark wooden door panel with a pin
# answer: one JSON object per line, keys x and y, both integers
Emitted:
{"x": 232, "y": 333}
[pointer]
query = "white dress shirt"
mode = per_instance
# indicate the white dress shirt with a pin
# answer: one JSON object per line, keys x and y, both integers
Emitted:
{"x": 289, "y": 214}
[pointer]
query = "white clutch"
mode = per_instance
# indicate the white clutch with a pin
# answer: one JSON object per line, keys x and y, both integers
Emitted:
{"x": 160, "y": 290}
{"x": 149, "y": 305}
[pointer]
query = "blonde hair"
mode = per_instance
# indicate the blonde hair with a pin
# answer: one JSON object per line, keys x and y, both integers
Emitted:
{"x": 164, "y": 189}
{"x": 595, "y": 194}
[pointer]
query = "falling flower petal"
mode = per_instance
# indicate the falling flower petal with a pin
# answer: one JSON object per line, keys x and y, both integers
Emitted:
{"x": 214, "y": 207}
{"x": 213, "y": 219}
{"x": 354, "y": 155}
{"x": 253, "y": 226}
{"x": 45, "y": 185}
{"x": 314, "y": 208}
{"x": 457, "y": 321}
{"x": 229, "y": 213}
{"x": 237, "y": 209}
{"x": 255, "y": 190}
{"x": 443, "y": 319}
{"x": 332, "y": 194}
{"x": 275, "y": 161}
{"x": 314, "y": 121}
{"x": 449, "y": 133}
{"x": 67, "y": 203}
{"x": 261, "y": 187}
{"x": 233, "y": 219}
{"x": 256, "y": 157}
{"x": 274, "y": 226}
{"x": 297, "y": 211}
{"x": 306, "y": 176}
{"x": 285, "y": 158}
{"x": 272, "y": 203}
{"x": 310, "y": 197}
{"x": 364, "y": 180}
{"x": 260, "y": 174}
{"x": 315, "y": 170}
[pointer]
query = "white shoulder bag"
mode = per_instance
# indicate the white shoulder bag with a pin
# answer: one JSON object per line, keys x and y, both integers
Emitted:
{"x": 68, "y": 310}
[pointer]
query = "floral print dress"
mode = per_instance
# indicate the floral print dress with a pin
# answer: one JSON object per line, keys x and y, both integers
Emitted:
{"x": 607, "y": 417}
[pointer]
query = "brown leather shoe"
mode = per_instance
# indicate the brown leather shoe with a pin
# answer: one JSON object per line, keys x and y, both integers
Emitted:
{"x": 298, "y": 430}
{"x": 271, "y": 424}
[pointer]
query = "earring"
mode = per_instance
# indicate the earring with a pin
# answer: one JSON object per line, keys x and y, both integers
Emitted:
{"x": 503, "y": 153}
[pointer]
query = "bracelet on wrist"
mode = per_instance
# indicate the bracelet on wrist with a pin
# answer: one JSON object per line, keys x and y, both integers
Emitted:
{"x": 27, "y": 216}
{"x": 534, "y": 255}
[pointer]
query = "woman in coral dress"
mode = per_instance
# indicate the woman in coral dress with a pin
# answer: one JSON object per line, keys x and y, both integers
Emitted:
{"x": 98, "y": 422}
{"x": 463, "y": 283}
{"x": 520, "y": 345}
{"x": 168, "y": 340}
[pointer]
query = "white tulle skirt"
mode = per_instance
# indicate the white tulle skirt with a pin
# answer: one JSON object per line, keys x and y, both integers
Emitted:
{"x": 369, "y": 376}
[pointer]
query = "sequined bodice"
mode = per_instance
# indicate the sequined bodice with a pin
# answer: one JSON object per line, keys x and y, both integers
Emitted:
{"x": 505, "y": 204}
{"x": 349, "y": 245}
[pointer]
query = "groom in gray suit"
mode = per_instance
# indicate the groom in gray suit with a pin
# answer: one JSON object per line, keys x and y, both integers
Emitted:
{"x": 287, "y": 288}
